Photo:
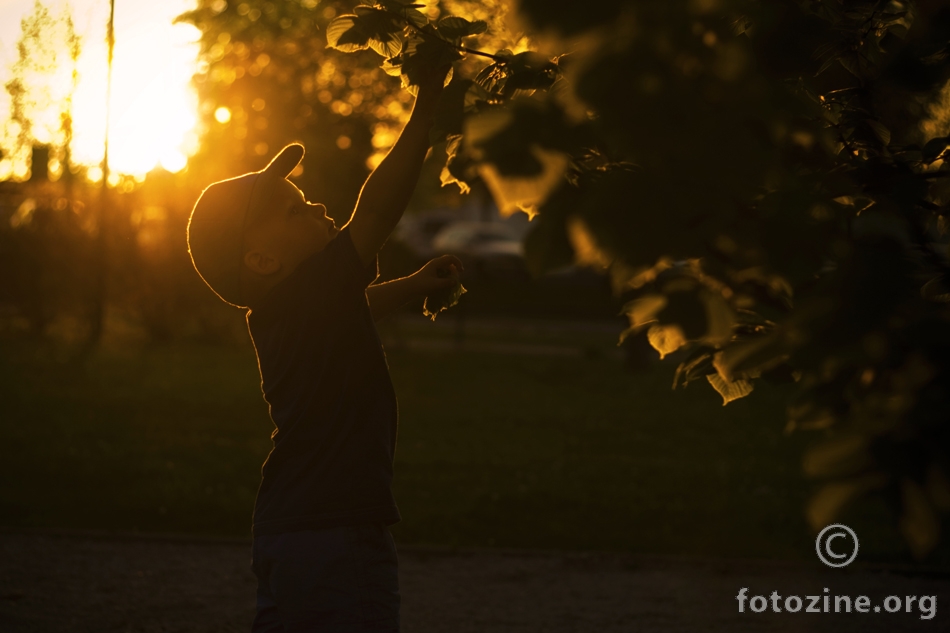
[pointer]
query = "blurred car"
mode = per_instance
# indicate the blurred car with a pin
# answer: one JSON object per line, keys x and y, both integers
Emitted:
{"x": 417, "y": 231}
{"x": 487, "y": 249}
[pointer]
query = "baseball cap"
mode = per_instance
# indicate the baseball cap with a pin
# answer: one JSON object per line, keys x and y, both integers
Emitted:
{"x": 221, "y": 214}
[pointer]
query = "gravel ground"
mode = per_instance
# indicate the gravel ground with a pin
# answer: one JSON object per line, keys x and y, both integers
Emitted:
{"x": 111, "y": 583}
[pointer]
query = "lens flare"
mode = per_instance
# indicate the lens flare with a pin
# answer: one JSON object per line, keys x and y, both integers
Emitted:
{"x": 153, "y": 116}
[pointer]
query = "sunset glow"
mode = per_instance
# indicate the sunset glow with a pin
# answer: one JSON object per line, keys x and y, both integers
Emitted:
{"x": 153, "y": 107}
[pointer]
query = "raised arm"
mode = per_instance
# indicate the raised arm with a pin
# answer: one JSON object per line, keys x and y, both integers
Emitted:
{"x": 388, "y": 189}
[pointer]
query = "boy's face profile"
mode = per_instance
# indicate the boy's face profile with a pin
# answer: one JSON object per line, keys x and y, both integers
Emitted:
{"x": 286, "y": 233}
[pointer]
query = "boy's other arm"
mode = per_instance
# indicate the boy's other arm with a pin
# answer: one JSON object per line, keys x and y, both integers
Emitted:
{"x": 439, "y": 274}
{"x": 388, "y": 297}
{"x": 388, "y": 189}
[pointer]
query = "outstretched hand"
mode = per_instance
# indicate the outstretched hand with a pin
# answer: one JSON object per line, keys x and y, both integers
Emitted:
{"x": 439, "y": 274}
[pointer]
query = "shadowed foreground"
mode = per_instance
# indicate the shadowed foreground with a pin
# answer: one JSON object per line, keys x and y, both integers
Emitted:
{"x": 101, "y": 584}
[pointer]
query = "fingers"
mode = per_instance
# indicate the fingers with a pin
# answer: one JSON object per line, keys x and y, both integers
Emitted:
{"x": 446, "y": 266}
{"x": 449, "y": 260}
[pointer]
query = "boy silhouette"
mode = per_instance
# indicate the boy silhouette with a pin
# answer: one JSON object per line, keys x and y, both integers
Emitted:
{"x": 322, "y": 552}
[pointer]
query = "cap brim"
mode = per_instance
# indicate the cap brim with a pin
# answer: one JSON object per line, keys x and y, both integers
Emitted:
{"x": 285, "y": 162}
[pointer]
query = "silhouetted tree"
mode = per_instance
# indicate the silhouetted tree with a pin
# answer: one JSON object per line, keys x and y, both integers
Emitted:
{"x": 43, "y": 82}
{"x": 765, "y": 183}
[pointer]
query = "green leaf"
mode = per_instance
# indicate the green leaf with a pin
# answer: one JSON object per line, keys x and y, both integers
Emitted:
{"x": 497, "y": 136}
{"x": 446, "y": 177}
{"x": 719, "y": 318}
{"x": 475, "y": 97}
{"x": 456, "y": 164}
{"x": 685, "y": 309}
{"x": 524, "y": 71}
{"x": 489, "y": 76}
{"x": 698, "y": 364}
{"x": 938, "y": 487}
{"x": 452, "y": 146}
{"x": 826, "y": 505}
{"x": 392, "y": 66}
{"x": 809, "y": 415}
{"x": 936, "y": 290}
{"x": 388, "y": 45}
{"x": 416, "y": 18}
{"x": 642, "y": 311}
{"x": 837, "y": 457}
{"x": 934, "y": 148}
{"x": 454, "y": 28}
{"x": 529, "y": 71}
{"x": 346, "y": 33}
{"x": 408, "y": 11}
{"x": 369, "y": 28}
{"x": 918, "y": 523}
{"x": 753, "y": 355}
{"x": 880, "y": 131}
{"x": 547, "y": 246}
{"x": 397, "y": 6}
{"x": 378, "y": 22}
{"x": 666, "y": 339}
{"x": 513, "y": 192}
{"x": 729, "y": 390}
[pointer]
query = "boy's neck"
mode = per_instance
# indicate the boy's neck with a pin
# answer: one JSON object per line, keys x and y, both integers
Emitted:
{"x": 255, "y": 287}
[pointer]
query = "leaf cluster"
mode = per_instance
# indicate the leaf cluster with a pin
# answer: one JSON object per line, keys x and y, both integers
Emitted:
{"x": 410, "y": 44}
{"x": 753, "y": 178}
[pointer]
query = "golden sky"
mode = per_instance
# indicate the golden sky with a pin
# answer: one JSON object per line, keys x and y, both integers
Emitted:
{"x": 153, "y": 105}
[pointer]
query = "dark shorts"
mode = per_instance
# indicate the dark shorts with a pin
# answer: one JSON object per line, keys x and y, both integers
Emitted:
{"x": 327, "y": 581}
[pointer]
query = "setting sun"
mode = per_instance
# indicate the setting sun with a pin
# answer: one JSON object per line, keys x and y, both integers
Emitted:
{"x": 153, "y": 106}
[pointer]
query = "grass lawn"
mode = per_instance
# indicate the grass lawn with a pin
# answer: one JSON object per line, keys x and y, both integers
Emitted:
{"x": 493, "y": 449}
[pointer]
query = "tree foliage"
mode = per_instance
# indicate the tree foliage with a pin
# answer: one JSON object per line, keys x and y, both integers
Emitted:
{"x": 765, "y": 182}
{"x": 42, "y": 84}
{"x": 266, "y": 78}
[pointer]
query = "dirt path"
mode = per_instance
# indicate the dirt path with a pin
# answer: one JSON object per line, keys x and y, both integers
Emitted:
{"x": 73, "y": 582}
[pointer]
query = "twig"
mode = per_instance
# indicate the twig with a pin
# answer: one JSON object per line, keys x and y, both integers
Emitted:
{"x": 471, "y": 51}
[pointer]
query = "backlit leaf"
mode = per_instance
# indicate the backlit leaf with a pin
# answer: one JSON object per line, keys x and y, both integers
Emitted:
{"x": 388, "y": 45}
{"x": 643, "y": 310}
{"x": 729, "y": 390}
{"x": 836, "y": 457}
{"x": 719, "y": 318}
{"x": 512, "y": 193}
{"x": 698, "y": 364}
{"x": 756, "y": 354}
{"x": 934, "y": 148}
{"x": 938, "y": 488}
{"x": 529, "y": 71}
{"x": 453, "y": 27}
{"x": 825, "y": 506}
{"x": 346, "y": 33}
{"x": 666, "y": 339}
{"x": 918, "y": 522}
{"x": 587, "y": 252}
{"x": 880, "y": 130}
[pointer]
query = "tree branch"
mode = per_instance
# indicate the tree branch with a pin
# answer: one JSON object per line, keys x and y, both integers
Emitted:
{"x": 464, "y": 49}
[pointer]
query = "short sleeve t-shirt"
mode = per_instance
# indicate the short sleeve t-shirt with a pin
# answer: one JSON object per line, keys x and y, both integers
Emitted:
{"x": 324, "y": 375}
